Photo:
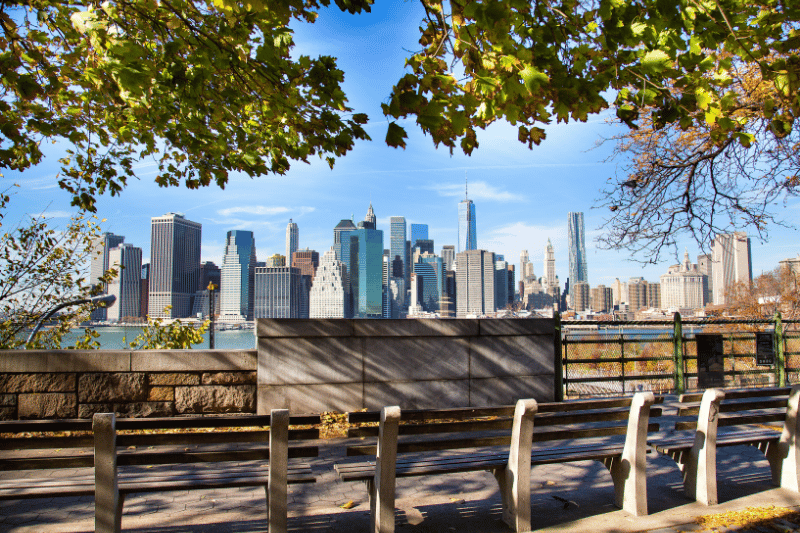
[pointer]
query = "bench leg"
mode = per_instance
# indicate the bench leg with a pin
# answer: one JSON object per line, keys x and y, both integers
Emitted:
{"x": 783, "y": 454}
{"x": 630, "y": 485}
{"x": 382, "y": 493}
{"x": 700, "y": 467}
{"x": 108, "y": 501}
{"x": 277, "y": 489}
{"x": 515, "y": 478}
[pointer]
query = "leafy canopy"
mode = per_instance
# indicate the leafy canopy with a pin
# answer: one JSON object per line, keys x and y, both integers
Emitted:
{"x": 209, "y": 87}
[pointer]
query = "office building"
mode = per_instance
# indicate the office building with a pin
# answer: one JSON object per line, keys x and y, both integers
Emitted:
{"x": 449, "y": 256}
{"x": 174, "y": 265}
{"x": 99, "y": 265}
{"x": 418, "y": 232}
{"x": 370, "y": 220}
{"x": 524, "y": 260}
{"x": 601, "y": 299}
{"x": 467, "y": 228}
{"x": 705, "y": 263}
{"x": 366, "y": 271}
{"x": 579, "y": 294}
{"x": 292, "y": 240}
{"x": 238, "y": 277}
{"x": 144, "y": 292}
{"x": 210, "y": 273}
{"x": 276, "y": 260}
{"x": 577, "y": 249}
{"x": 637, "y": 294}
{"x": 501, "y": 273}
{"x": 340, "y": 232}
{"x": 732, "y": 263}
{"x": 307, "y": 261}
{"x": 277, "y": 292}
{"x": 682, "y": 286}
{"x": 326, "y": 298}
{"x": 475, "y": 274}
{"x": 549, "y": 278}
{"x": 422, "y": 246}
{"x": 431, "y": 269}
{"x": 126, "y": 287}
{"x": 792, "y": 263}
{"x": 398, "y": 253}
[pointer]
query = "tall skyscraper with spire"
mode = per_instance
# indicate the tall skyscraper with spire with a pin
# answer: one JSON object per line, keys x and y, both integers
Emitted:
{"x": 550, "y": 265}
{"x": 292, "y": 240}
{"x": 371, "y": 218}
{"x": 467, "y": 230}
{"x": 577, "y": 249}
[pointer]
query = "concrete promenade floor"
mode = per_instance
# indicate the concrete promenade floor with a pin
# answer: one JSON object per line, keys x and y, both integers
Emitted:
{"x": 575, "y": 497}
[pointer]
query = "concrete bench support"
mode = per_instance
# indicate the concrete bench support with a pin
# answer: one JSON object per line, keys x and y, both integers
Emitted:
{"x": 107, "y": 499}
{"x": 629, "y": 471}
{"x": 700, "y": 466}
{"x": 783, "y": 455}
{"x": 277, "y": 508}
{"x": 515, "y": 479}
{"x": 382, "y": 488}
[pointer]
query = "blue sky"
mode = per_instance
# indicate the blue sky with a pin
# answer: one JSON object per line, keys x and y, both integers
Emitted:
{"x": 522, "y": 196}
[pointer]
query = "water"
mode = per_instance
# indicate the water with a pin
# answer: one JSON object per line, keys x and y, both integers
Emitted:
{"x": 119, "y": 337}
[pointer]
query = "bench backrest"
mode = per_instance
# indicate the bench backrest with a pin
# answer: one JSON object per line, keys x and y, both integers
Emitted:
{"x": 65, "y": 443}
{"x": 738, "y": 407}
{"x": 491, "y": 426}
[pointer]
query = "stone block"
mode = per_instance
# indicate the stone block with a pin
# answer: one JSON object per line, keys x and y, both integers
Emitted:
{"x": 309, "y": 360}
{"x": 173, "y": 378}
{"x": 303, "y": 327}
{"x": 302, "y": 399}
{"x": 511, "y": 356}
{"x": 416, "y": 328}
{"x": 51, "y": 382}
{"x": 98, "y": 388}
{"x": 229, "y": 378}
{"x": 144, "y": 409}
{"x": 417, "y": 394}
{"x": 215, "y": 399}
{"x": 517, "y": 326}
{"x": 8, "y": 400}
{"x": 33, "y": 361}
{"x": 415, "y": 358}
{"x": 88, "y": 410}
{"x": 506, "y": 391}
{"x": 8, "y": 413}
{"x": 161, "y": 394}
{"x": 192, "y": 360}
{"x": 47, "y": 405}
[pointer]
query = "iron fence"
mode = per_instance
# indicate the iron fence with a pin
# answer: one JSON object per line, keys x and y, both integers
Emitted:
{"x": 614, "y": 358}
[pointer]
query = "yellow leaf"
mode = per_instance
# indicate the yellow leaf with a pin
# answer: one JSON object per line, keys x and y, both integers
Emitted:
{"x": 348, "y": 505}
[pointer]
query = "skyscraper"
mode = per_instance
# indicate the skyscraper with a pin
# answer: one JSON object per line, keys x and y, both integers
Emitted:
{"x": 127, "y": 285}
{"x": 474, "y": 283}
{"x": 577, "y": 249}
{"x": 731, "y": 263}
{"x": 682, "y": 286}
{"x": 366, "y": 272}
{"x": 292, "y": 240}
{"x": 418, "y": 231}
{"x": 429, "y": 268}
{"x": 371, "y": 219}
{"x": 524, "y": 259}
{"x": 100, "y": 249}
{"x": 550, "y": 278}
{"x": 277, "y": 292}
{"x": 397, "y": 244}
{"x": 467, "y": 230}
{"x": 174, "y": 265}
{"x": 449, "y": 256}
{"x": 238, "y": 276}
{"x": 326, "y": 299}
{"x": 344, "y": 226}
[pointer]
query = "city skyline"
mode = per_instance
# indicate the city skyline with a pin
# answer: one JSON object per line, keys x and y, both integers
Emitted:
{"x": 522, "y": 196}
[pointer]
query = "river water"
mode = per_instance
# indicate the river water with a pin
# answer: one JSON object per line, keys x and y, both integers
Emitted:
{"x": 119, "y": 337}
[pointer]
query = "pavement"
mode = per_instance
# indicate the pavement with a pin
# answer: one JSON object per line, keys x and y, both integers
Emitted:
{"x": 568, "y": 498}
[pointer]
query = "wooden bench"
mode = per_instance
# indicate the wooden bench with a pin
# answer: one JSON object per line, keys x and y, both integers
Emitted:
{"x": 504, "y": 437}
{"x": 208, "y": 452}
{"x": 744, "y": 414}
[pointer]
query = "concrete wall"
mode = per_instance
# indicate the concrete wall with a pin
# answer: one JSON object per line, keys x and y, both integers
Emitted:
{"x": 79, "y": 383}
{"x": 347, "y": 365}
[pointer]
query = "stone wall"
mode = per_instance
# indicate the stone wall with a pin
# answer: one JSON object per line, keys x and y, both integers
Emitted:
{"x": 347, "y": 365}
{"x": 79, "y": 383}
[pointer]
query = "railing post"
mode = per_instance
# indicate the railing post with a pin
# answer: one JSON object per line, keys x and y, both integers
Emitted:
{"x": 780, "y": 357}
{"x": 558, "y": 364}
{"x": 622, "y": 358}
{"x": 677, "y": 354}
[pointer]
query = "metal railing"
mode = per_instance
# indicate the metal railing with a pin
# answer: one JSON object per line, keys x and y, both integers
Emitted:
{"x": 613, "y": 358}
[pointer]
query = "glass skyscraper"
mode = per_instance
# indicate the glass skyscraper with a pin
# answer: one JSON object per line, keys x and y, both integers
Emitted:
{"x": 238, "y": 275}
{"x": 174, "y": 265}
{"x": 366, "y": 272}
{"x": 577, "y": 249}
{"x": 467, "y": 232}
{"x": 418, "y": 231}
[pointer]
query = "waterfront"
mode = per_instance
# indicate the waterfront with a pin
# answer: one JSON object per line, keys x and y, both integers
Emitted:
{"x": 119, "y": 337}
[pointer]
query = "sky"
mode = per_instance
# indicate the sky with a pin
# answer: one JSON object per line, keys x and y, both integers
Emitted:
{"x": 522, "y": 196}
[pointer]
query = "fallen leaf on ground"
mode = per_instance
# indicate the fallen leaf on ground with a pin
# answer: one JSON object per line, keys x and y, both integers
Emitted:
{"x": 348, "y": 505}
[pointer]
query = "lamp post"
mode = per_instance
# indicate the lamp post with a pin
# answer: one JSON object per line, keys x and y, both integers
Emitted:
{"x": 211, "y": 289}
{"x": 101, "y": 300}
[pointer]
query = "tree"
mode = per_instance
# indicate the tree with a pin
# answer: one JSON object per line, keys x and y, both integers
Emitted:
{"x": 40, "y": 267}
{"x": 209, "y": 87}
{"x": 777, "y": 290}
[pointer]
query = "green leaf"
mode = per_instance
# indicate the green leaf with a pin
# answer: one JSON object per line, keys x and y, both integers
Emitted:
{"x": 656, "y": 61}
{"x": 395, "y": 136}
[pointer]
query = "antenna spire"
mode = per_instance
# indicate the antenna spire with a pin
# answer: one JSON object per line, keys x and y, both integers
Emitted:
{"x": 466, "y": 186}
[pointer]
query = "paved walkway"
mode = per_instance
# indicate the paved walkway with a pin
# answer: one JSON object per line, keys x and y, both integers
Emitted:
{"x": 574, "y": 497}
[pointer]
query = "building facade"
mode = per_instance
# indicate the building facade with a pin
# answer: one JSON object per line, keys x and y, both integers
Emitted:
{"x": 326, "y": 298}
{"x": 237, "y": 277}
{"x": 682, "y": 286}
{"x": 577, "y": 249}
{"x": 277, "y": 292}
{"x": 475, "y": 275}
{"x": 100, "y": 263}
{"x": 292, "y": 240}
{"x": 126, "y": 287}
{"x": 174, "y": 265}
{"x": 731, "y": 263}
{"x": 418, "y": 232}
{"x": 366, "y": 272}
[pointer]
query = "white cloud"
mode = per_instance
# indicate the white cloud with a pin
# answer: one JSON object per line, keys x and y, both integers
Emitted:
{"x": 478, "y": 190}
{"x": 511, "y": 239}
{"x": 261, "y": 210}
